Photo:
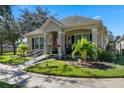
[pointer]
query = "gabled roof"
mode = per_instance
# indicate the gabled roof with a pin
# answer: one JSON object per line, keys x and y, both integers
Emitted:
{"x": 35, "y": 32}
{"x": 77, "y": 20}
{"x": 51, "y": 19}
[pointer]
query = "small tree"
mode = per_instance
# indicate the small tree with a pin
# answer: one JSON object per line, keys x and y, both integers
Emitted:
{"x": 2, "y": 40}
{"x": 84, "y": 47}
{"x": 22, "y": 49}
{"x": 5, "y": 10}
{"x": 11, "y": 26}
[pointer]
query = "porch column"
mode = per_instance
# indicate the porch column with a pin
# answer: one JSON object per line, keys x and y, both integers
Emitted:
{"x": 102, "y": 45}
{"x": 60, "y": 43}
{"x": 45, "y": 43}
{"x": 63, "y": 43}
{"x": 94, "y": 35}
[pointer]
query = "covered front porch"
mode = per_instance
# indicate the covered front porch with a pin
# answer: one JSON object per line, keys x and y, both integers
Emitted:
{"x": 51, "y": 43}
{"x": 54, "y": 43}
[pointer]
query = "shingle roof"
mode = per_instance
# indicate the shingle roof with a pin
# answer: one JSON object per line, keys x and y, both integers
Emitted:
{"x": 77, "y": 20}
{"x": 35, "y": 32}
{"x": 69, "y": 21}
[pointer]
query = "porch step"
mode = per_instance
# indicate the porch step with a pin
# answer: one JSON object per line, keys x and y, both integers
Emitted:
{"x": 35, "y": 53}
{"x": 33, "y": 61}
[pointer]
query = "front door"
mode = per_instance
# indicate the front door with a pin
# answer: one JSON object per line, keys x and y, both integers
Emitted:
{"x": 54, "y": 43}
{"x": 72, "y": 39}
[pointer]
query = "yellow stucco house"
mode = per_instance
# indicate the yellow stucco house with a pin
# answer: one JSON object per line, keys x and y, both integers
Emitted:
{"x": 55, "y": 37}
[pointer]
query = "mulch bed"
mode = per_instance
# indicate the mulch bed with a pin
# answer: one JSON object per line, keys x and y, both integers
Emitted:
{"x": 97, "y": 65}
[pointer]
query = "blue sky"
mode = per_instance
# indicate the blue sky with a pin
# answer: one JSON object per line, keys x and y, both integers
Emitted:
{"x": 112, "y": 16}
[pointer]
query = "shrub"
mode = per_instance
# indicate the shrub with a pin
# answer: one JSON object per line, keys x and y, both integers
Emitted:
{"x": 84, "y": 48}
{"x": 22, "y": 49}
{"x": 105, "y": 56}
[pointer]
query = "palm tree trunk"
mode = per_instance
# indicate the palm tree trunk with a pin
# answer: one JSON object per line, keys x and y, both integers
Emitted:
{"x": 14, "y": 48}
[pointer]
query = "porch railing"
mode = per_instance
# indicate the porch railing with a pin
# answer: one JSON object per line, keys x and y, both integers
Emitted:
{"x": 35, "y": 53}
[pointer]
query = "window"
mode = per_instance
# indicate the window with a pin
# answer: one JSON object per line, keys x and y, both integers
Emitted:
{"x": 87, "y": 36}
{"x": 79, "y": 36}
{"x": 38, "y": 42}
{"x": 41, "y": 42}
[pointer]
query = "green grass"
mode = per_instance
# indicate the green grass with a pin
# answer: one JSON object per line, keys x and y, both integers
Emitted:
{"x": 61, "y": 68}
{"x": 6, "y": 85}
{"x": 10, "y": 59}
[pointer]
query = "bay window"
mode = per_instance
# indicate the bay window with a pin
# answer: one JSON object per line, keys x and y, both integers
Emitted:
{"x": 41, "y": 42}
{"x": 38, "y": 42}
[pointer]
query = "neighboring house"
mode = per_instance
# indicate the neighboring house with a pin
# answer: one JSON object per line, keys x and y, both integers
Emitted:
{"x": 56, "y": 37}
{"x": 120, "y": 44}
{"x": 7, "y": 48}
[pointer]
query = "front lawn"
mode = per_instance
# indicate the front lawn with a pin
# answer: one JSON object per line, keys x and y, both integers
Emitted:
{"x": 6, "y": 85}
{"x": 10, "y": 59}
{"x": 62, "y": 68}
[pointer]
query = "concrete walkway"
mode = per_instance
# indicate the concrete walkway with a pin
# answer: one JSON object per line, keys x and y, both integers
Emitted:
{"x": 33, "y": 61}
{"x": 13, "y": 75}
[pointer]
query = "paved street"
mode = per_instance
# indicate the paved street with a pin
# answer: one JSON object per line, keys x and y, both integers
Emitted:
{"x": 14, "y": 75}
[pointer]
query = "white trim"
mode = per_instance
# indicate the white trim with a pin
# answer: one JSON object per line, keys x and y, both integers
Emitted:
{"x": 80, "y": 34}
{"x": 61, "y": 25}
{"x": 60, "y": 43}
{"x": 94, "y": 36}
{"x": 45, "y": 43}
{"x": 77, "y": 28}
{"x": 48, "y": 21}
{"x": 38, "y": 41}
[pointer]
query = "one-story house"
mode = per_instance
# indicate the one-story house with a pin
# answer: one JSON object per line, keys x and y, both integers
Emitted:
{"x": 56, "y": 37}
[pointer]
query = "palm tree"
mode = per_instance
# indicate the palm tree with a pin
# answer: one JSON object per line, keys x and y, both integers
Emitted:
{"x": 84, "y": 47}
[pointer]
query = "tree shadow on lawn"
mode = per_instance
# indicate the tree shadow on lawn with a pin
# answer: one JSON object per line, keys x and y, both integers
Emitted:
{"x": 65, "y": 68}
{"x": 8, "y": 53}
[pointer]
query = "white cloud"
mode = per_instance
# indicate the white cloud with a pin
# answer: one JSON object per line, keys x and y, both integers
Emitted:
{"x": 98, "y": 17}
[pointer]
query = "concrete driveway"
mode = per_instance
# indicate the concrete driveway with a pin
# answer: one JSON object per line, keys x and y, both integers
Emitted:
{"x": 14, "y": 75}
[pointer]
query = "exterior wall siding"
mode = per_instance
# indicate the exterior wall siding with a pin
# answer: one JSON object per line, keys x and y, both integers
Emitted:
{"x": 29, "y": 42}
{"x": 52, "y": 27}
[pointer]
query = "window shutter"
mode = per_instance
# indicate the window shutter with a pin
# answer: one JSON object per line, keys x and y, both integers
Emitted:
{"x": 32, "y": 43}
{"x": 90, "y": 37}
